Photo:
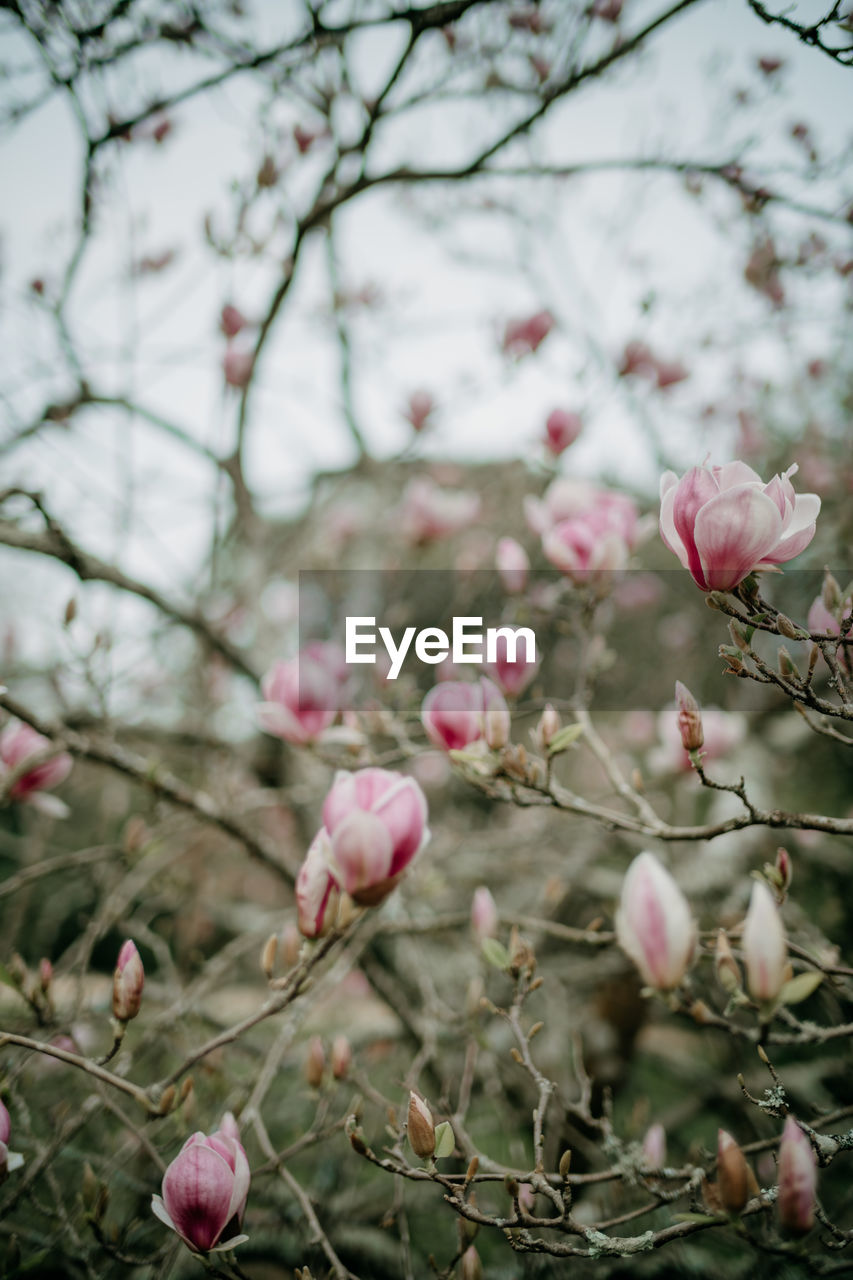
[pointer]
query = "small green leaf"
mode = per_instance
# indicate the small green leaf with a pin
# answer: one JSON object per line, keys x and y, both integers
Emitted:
{"x": 444, "y": 1140}
{"x": 496, "y": 953}
{"x": 801, "y": 987}
{"x": 566, "y": 738}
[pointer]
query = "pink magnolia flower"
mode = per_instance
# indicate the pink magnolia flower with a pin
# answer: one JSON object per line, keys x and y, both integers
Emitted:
{"x": 585, "y": 548}
{"x": 301, "y": 698}
{"x": 797, "y": 1179}
{"x": 9, "y": 1160}
{"x": 562, "y": 428}
{"x": 567, "y": 499}
{"x": 653, "y": 923}
{"x": 511, "y": 675}
{"x": 456, "y": 714}
{"x": 204, "y": 1192}
{"x": 18, "y": 742}
{"x": 374, "y": 826}
{"x": 5, "y": 1124}
{"x": 765, "y": 948}
{"x": 724, "y": 522}
{"x": 128, "y": 982}
{"x": 521, "y": 337}
{"x": 427, "y": 511}
{"x": 513, "y": 565}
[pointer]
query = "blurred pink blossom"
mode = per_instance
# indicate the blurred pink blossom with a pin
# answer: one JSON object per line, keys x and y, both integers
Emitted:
{"x": 562, "y": 428}
{"x": 18, "y": 742}
{"x": 521, "y": 337}
{"x": 301, "y": 698}
{"x": 427, "y": 511}
{"x": 513, "y": 565}
{"x": 456, "y": 714}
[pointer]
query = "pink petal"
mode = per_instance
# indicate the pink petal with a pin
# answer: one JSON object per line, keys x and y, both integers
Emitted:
{"x": 404, "y": 812}
{"x": 695, "y": 490}
{"x": 197, "y": 1189}
{"x": 361, "y": 851}
{"x": 733, "y": 533}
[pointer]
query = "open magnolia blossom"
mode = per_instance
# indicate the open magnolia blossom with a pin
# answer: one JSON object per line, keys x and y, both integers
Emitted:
{"x": 456, "y": 714}
{"x": 204, "y": 1192}
{"x": 374, "y": 827}
{"x": 18, "y": 744}
{"x": 725, "y": 522}
{"x": 302, "y": 697}
{"x": 654, "y": 926}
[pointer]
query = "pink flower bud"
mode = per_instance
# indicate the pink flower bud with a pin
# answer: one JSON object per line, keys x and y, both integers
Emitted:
{"x": 5, "y": 1124}
{"x": 341, "y": 1057}
{"x": 513, "y": 565}
{"x": 204, "y": 1192}
{"x": 18, "y": 742}
{"x": 301, "y": 699}
{"x": 128, "y": 981}
{"x": 521, "y": 337}
{"x": 511, "y": 671}
{"x": 471, "y": 1268}
{"x": 484, "y": 914}
{"x": 315, "y": 1062}
{"x": 797, "y": 1180}
{"x": 237, "y": 367}
{"x": 653, "y": 924}
{"x": 654, "y": 1147}
{"x": 689, "y": 718}
{"x": 419, "y": 409}
{"x": 420, "y": 1127}
{"x": 733, "y": 1174}
{"x": 765, "y": 949}
{"x": 561, "y": 430}
{"x": 784, "y": 869}
{"x": 231, "y": 321}
{"x": 724, "y": 522}
{"x": 496, "y": 717}
{"x": 316, "y": 890}
{"x": 548, "y": 727}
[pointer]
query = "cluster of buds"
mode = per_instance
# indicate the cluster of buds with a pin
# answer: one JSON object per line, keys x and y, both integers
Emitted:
{"x": 456, "y": 715}
{"x": 205, "y": 1190}
{"x": 374, "y": 825}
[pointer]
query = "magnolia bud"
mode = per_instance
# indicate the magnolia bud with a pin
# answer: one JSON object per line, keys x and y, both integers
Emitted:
{"x": 547, "y": 728}
{"x": 653, "y": 924}
{"x": 268, "y": 955}
{"x": 512, "y": 564}
{"x": 420, "y": 1127}
{"x": 128, "y": 981}
{"x": 764, "y": 946}
{"x": 472, "y": 1267}
{"x": 654, "y": 1147}
{"x": 830, "y": 592}
{"x": 797, "y": 1180}
{"x": 689, "y": 718}
{"x": 315, "y": 1062}
{"x": 45, "y": 974}
{"x": 727, "y": 968}
{"x": 785, "y": 627}
{"x": 484, "y": 914}
{"x": 732, "y": 1173}
{"x": 784, "y": 869}
{"x": 341, "y": 1057}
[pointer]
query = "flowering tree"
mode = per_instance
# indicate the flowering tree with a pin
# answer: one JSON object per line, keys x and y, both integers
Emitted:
{"x": 320, "y": 966}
